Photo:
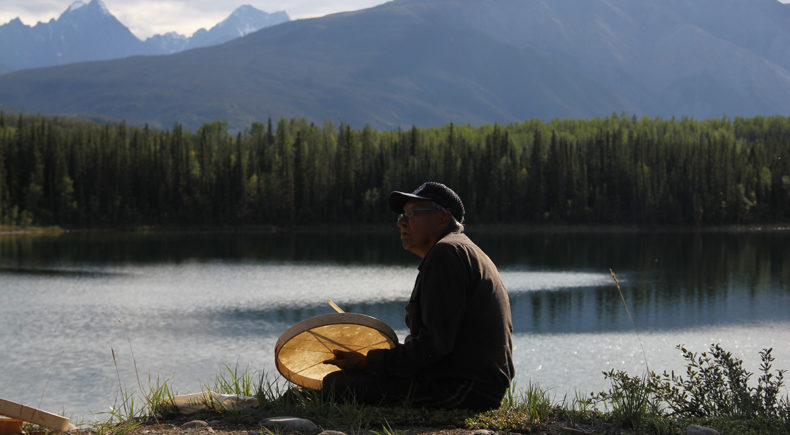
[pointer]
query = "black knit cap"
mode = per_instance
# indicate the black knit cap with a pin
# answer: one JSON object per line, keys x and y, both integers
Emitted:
{"x": 430, "y": 191}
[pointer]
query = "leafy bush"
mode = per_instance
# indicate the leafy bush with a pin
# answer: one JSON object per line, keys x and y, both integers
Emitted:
{"x": 716, "y": 389}
{"x": 716, "y": 384}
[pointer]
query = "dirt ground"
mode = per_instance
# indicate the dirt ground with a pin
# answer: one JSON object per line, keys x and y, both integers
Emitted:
{"x": 170, "y": 429}
{"x": 219, "y": 427}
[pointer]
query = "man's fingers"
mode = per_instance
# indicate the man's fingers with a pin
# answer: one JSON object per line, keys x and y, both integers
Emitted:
{"x": 345, "y": 359}
{"x": 339, "y": 356}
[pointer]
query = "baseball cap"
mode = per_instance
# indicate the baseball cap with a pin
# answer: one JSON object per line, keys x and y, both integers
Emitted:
{"x": 430, "y": 191}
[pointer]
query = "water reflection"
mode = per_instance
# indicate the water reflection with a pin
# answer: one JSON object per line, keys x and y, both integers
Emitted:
{"x": 572, "y": 310}
{"x": 653, "y": 308}
{"x": 337, "y": 247}
{"x": 274, "y": 320}
{"x": 708, "y": 258}
{"x": 60, "y": 273}
{"x": 558, "y": 282}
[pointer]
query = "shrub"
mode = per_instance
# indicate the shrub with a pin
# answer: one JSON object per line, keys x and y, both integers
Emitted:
{"x": 715, "y": 389}
{"x": 716, "y": 384}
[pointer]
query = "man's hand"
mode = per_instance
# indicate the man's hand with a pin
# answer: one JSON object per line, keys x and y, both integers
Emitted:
{"x": 349, "y": 361}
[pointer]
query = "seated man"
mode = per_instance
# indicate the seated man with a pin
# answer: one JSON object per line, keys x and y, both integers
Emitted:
{"x": 458, "y": 353}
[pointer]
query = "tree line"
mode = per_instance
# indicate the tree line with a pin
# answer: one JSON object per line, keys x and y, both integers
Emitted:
{"x": 613, "y": 170}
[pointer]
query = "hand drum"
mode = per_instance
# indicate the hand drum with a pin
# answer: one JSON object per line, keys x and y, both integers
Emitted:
{"x": 301, "y": 350}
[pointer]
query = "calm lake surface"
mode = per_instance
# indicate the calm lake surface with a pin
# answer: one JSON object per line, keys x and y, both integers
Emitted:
{"x": 180, "y": 306}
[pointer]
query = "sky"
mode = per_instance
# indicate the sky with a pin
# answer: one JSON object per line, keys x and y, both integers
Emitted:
{"x": 146, "y": 18}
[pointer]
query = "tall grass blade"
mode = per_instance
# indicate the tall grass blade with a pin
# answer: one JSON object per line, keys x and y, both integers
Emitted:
{"x": 627, "y": 311}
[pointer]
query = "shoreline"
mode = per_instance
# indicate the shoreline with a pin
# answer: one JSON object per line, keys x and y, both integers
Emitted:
{"x": 7, "y": 230}
{"x": 491, "y": 228}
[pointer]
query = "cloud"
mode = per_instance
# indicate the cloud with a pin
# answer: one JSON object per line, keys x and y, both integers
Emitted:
{"x": 148, "y": 17}
{"x": 32, "y": 12}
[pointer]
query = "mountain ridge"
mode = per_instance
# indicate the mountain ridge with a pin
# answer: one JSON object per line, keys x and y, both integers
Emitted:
{"x": 88, "y": 31}
{"x": 430, "y": 62}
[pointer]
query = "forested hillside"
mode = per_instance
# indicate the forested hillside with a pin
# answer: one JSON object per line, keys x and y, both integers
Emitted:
{"x": 617, "y": 169}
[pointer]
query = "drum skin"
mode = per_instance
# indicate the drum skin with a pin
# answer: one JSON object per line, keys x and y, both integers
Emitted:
{"x": 301, "y": 350}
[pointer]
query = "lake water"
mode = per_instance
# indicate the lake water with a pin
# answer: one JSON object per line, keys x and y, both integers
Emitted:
{"x": 181, "y": 305}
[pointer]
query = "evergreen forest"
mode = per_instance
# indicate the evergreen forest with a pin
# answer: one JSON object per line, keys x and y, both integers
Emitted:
{"x": 613, "y": 170}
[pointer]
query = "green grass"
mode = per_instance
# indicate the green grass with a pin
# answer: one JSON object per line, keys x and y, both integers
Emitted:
{"x": 714, "y": 393}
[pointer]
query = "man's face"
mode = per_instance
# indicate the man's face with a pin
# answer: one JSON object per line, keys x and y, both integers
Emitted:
{"x": 419, "y": 233}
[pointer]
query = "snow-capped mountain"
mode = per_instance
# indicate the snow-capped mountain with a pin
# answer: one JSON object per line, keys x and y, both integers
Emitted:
{"x": 88, "y": 31}
{"x": 83, "y": 32}
{"x": 244, "y": 20}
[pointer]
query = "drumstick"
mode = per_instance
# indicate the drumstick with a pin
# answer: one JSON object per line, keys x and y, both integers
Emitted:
{"x": 334, "y": 305}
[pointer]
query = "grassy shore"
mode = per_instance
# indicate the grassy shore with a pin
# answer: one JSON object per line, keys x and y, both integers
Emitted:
{"x": 714, "y": 392}
{"x": 17, "y": 230}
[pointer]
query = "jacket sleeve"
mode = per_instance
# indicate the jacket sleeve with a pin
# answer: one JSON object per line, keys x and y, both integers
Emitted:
{"x": 440, "y": 304}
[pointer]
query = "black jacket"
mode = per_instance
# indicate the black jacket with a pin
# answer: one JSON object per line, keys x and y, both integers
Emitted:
{"x": 459, "y": 321}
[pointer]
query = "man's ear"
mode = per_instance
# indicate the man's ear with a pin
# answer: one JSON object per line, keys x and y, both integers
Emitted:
{"x": 445, "y": 220}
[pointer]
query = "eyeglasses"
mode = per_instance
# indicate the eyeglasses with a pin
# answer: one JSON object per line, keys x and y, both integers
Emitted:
{"x": 408, "y": 214}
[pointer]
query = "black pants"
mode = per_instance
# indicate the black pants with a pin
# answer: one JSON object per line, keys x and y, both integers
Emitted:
{"x": 380, "y": 390}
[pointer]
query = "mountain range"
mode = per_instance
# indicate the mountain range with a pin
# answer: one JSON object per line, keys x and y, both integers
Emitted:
{"x": 88, "y": 31}
{"x": 429, "y": 62}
